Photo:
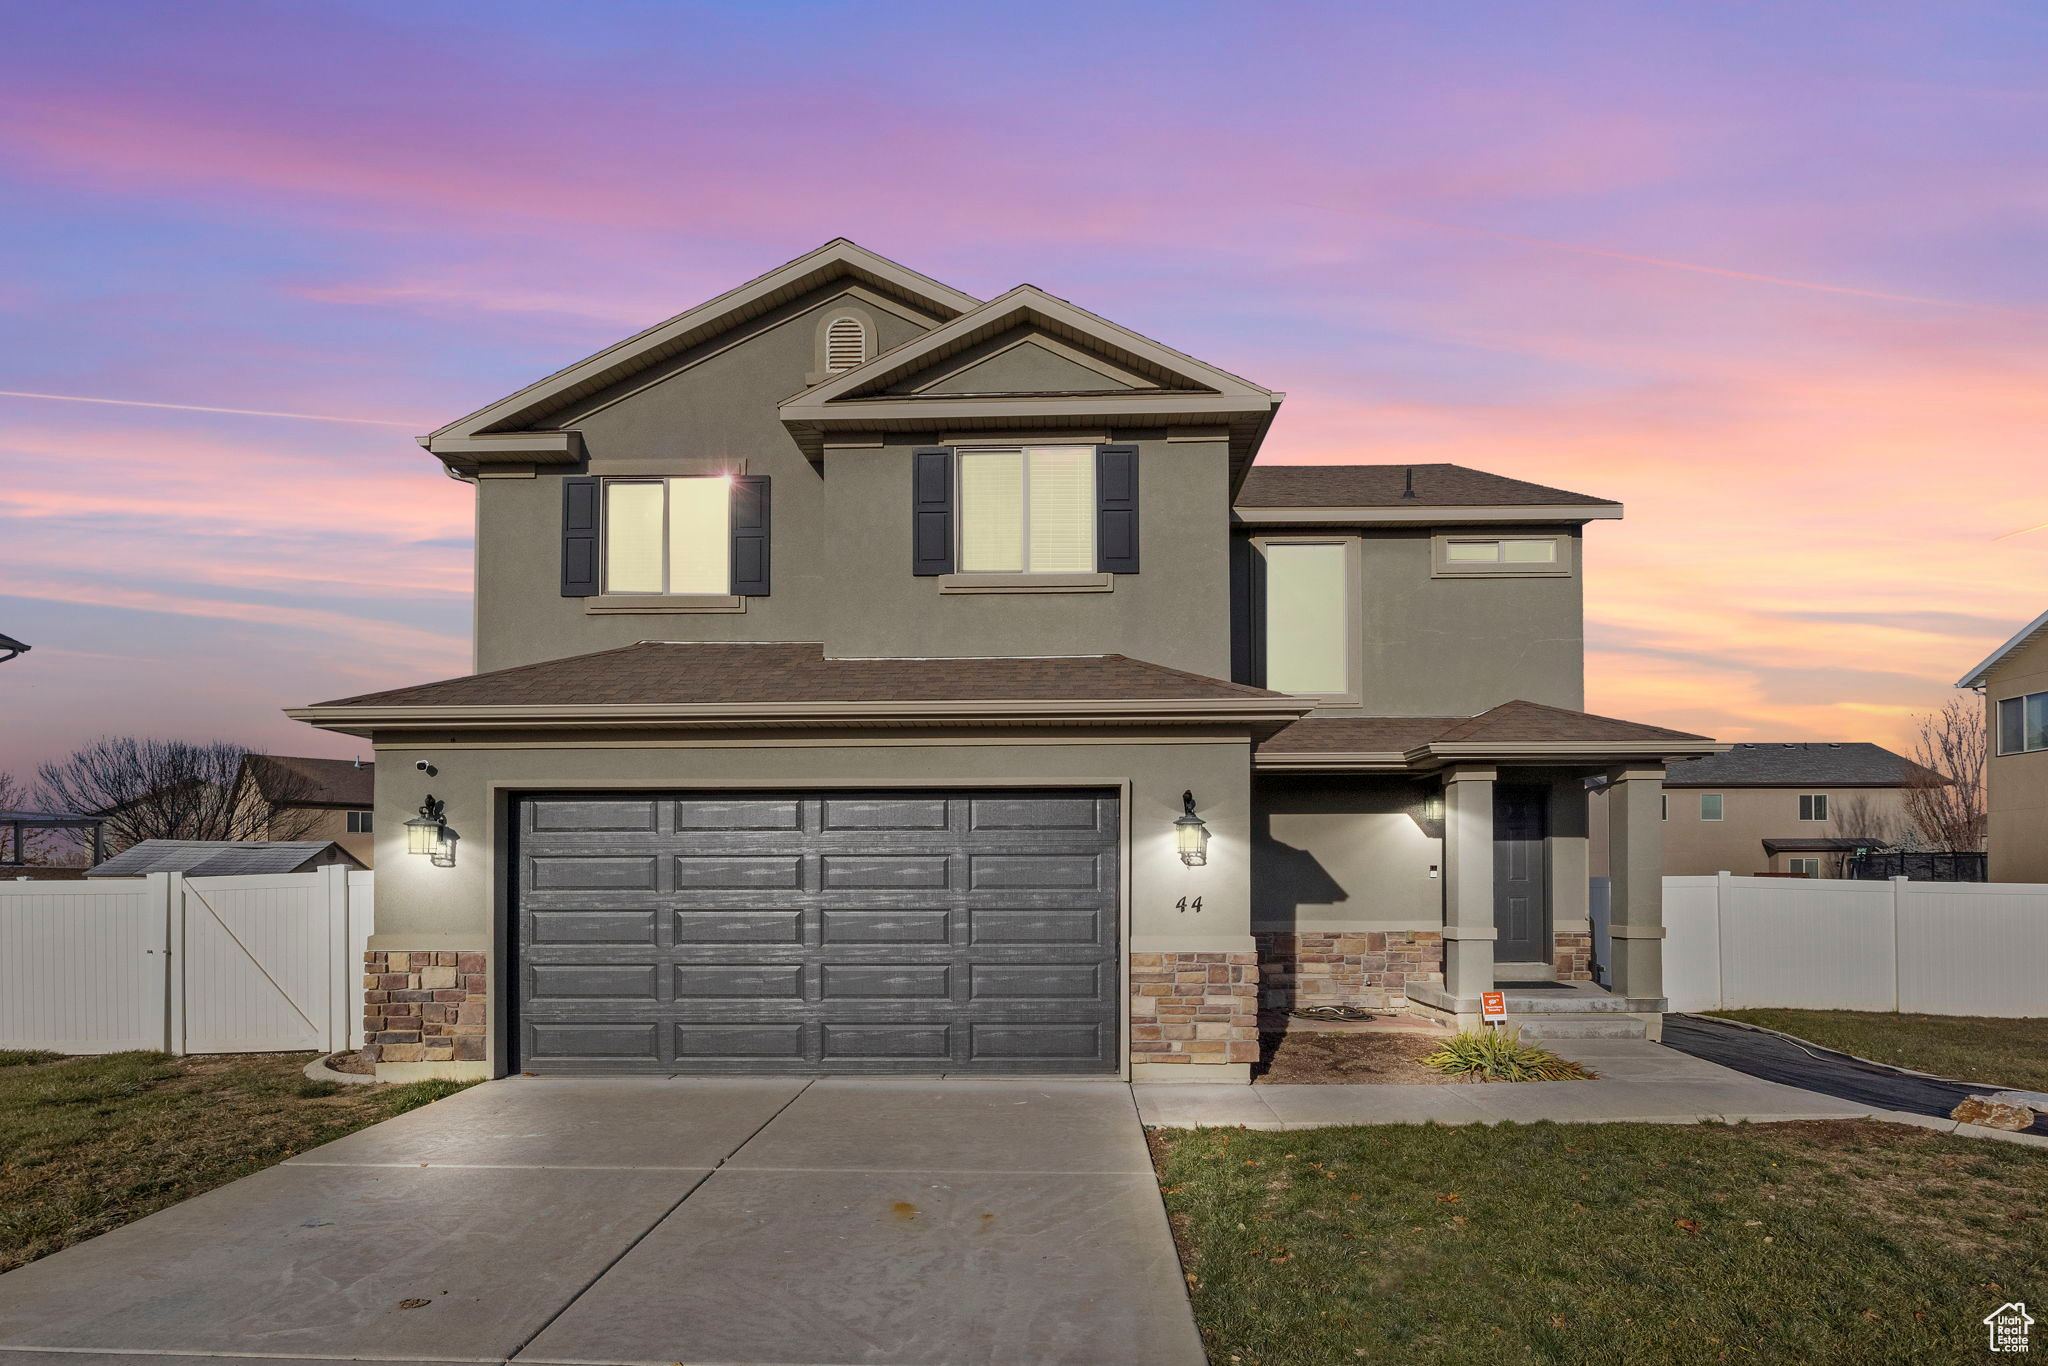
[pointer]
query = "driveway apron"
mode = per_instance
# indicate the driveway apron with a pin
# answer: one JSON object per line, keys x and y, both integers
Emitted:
{"x": 745, "y": 1222}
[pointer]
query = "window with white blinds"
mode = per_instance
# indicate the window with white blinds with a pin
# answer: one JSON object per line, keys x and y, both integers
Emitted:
{"x": 1027, "y": 511}
{"x": 669, "y": 536}
{"x": 846, "y": 344}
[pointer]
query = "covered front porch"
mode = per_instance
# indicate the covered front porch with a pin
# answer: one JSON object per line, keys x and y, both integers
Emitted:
{"x": 1416, "y": 863}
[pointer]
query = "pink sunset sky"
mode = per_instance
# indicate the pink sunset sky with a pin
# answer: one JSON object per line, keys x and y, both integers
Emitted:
{"x": 1770, "y": 274}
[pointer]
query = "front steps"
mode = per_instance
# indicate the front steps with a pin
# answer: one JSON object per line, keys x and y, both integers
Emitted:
{"x": 1566, "y": 1010}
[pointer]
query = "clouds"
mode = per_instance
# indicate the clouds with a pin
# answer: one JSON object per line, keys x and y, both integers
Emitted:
{"x": 1770, "y": 277}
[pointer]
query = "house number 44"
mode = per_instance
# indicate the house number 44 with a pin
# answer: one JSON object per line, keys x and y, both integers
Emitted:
{"x": 1184, "y": 905}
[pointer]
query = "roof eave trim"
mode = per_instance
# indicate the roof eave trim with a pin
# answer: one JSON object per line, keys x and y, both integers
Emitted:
{"x": 1428, "y": 513}
{"x": 521, "y": 448}
{"x": 1249, "y": 710}
{"x": 1975, "y": 677}
{"x": 1437, "y": 753}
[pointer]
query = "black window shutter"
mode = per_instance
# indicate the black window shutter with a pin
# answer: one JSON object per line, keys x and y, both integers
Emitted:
{"x": 931, "y": 510}
{"x": 579, "y": 538}
{"x": 1116, "y": 509}
{"x": 750, "y": 536}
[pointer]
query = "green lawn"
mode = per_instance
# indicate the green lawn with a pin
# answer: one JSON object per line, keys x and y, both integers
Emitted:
{"x": 1598, "y": 1244}
{"x": 2010, "y": 1053}
{"x": 87, "y": 1144}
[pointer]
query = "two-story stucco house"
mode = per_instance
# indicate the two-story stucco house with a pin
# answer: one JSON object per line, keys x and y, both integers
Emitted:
{"x": 2014, "y": 682}
{"x": 871, "y": 678}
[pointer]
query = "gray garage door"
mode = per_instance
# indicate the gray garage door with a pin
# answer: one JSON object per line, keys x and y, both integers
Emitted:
{"x": 817, "y": 932}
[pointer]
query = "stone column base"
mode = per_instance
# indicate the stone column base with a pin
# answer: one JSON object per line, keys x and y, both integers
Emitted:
{"x": 1572, "y": 954}
{"x": 425, "y": 1014}
{"x": 1195, "y": 1015}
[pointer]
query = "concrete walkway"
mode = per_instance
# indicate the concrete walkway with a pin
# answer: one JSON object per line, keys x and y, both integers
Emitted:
{"x": 718, "y": 1222}
{"x": 1639, "y": 1081}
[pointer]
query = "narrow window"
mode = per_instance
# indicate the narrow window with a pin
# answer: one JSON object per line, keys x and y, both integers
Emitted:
{"x": 1814, "y": 808}
{"x": 670, "y": 536}
{"x": 1308, "y": 614}
{"x": 2012, "y": 725}
{"x": 1710, "y": 806}
{"x": 1502, "y": 555}
{"x": 1664, "y": 807}
{"x": 846, "y": 345}
{"x": 1028, "y": 511}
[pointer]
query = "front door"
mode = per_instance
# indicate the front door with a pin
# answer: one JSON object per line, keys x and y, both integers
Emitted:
{"x": 1521, "y": 875}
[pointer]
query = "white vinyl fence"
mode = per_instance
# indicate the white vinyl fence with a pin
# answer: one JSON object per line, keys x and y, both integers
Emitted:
{"x": 258, "y": 964}
{"x": 1942, "y": 948}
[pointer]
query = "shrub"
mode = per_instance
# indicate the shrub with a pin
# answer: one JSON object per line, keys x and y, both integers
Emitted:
{"x": 1500, "y": 1055}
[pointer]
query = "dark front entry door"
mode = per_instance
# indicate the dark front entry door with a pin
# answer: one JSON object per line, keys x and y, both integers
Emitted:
{"x": 895, "y": 931}
{"x": 1521, "y": 875}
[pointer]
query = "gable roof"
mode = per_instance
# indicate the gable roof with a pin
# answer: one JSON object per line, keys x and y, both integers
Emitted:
{"x": 1512, "y": 730}
{"x": 491, "y": 432}
{"x": 2032, "y": 631}
{"x": 1801, "y": 763}
{"x": 727, "y": 683}
{"x": 303, "y": 781}
{"x": 218, "y": 858}
{"x": 1178, "y": 390}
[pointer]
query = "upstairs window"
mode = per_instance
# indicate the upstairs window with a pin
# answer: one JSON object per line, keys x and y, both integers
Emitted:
{"x": 846, "y": 345}
{"x": 1029, "y": 510}
{"x": 1308, "y": 608}
{"x": 1813, "y": 808}
{"x": 359, "y": 822}
{"x": 2023, "y": 724}
{"x": 668, "y": 536}
{"x": 1710, "y": 806}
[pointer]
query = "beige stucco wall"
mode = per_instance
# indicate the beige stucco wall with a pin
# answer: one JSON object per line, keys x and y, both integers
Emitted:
{"x": 1750, "y": 815}
{"x": 423, "y": 907}
{"x": 324, "y": 824}
{"x": 2017, "y": 829}
{"x": 1337, "y": 853}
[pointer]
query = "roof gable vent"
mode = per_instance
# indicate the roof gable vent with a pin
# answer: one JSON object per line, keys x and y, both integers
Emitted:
{"x": 846, "y": 345}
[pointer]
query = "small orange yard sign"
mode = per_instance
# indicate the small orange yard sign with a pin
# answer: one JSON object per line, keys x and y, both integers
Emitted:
{"x": 1493, "y": 1006}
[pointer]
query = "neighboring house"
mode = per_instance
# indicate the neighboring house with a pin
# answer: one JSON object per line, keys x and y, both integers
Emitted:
{"x": 312, "y": 799}
{"x": 2014, "y": 682}
{"x": 1800, "y": 808}
{"x": 223, "y": 858}
{"x": 877, "y": 679}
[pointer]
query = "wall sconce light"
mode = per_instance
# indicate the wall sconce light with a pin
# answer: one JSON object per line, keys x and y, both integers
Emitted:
{"x": 1433, "y": 805}
{"x": 427, "y": 833}
{"x": 1191, "y": 834}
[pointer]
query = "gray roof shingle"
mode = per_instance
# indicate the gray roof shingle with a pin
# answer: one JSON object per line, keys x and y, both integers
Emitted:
{"x": 1801, "y": 763}
{"x": 1350, "y": 486}
{"x": 1514, "y": 722}
{"x": 216, "y": 858}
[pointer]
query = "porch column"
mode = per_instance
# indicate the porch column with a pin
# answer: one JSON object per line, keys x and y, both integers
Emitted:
{"x": 1635, "y": 864}
{"x": 1468, "y": 879}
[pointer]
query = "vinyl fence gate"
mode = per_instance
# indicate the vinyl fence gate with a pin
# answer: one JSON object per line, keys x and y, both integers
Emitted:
{"x": 267, "y": 963}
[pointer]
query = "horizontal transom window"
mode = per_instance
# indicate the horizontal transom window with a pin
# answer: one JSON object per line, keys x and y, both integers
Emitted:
{"x": 1541, "y": 555}
{"x": 669, "y": 536}
{"x": 1027, "y": 510}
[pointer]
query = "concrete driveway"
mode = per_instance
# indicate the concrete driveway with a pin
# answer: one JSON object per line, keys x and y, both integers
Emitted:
{"x": 708, "y": 1221}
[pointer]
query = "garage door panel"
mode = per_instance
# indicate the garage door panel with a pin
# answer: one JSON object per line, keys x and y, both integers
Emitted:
{"x": 703, "y": 925}
{"x": 855, "y": 932}
{"x": 591, "y": 873}
{"x": 870, "y": 814}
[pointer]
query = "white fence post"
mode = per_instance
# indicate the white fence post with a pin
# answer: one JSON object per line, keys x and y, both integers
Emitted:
{"x": 334, "y": 896}
{"x": 1900, "y": 886}
{"x": 175, "y": 971}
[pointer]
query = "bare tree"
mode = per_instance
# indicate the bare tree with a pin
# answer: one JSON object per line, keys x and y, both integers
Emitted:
{"x": 173, "y": 789}
{"x": 1870, "y": 822}
{"x": 1950, "y": 745}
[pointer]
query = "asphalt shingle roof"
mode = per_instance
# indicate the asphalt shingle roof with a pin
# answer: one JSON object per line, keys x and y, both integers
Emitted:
{"x": 678, "y": 674}
{"x": 1346, "y": 486}
{"x": 1802, "y": 763}
{"x": 214, "y": 858}
{"x": 314, "y": 782}
{"x": 1509, "y": 723}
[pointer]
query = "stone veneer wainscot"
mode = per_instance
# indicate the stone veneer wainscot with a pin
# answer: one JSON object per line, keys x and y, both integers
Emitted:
{"x": 424, "y": 1007}
{"x": 1194, "y": 1008}
{"x": 1370, "y": 968}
